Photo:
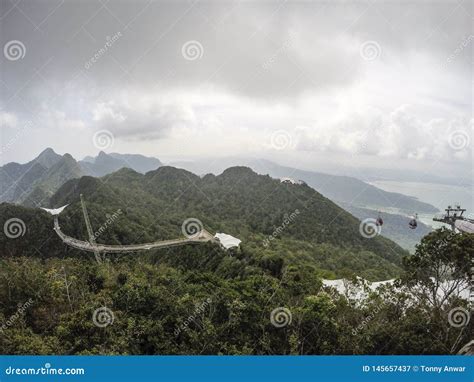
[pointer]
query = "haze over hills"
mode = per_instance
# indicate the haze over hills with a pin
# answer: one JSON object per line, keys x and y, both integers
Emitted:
{"x": 343, "y": 189}
{"x": 33, "y": 183}
{"x": 151, "y": 293}
{"x": 299, "y": 118}
{"x": 395, "y": 227}
{"x": 107, "y": 163}
{"x": 239, "y": 202}
{"x": 371, "y": 174}
{"x": 359, "y": 198}
{"x": 37, "y": 177}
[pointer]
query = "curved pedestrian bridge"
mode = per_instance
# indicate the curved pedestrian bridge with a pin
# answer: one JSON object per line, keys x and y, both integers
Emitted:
{"x": 204, "y": 236}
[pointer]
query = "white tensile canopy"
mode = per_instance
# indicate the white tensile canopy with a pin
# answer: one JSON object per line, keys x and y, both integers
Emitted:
{"x": 55, "y": 211}
{"x": 357, "y": 292}
{"x": 464, "y": 226}
{"x": 227, "y": 241}
{"x": 290, "y": 180}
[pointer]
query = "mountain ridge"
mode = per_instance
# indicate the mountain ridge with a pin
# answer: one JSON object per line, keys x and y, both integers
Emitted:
{"x": 339, "y": 188}
{"x": 34, "y": 182}
{"x": 239, "y": 201}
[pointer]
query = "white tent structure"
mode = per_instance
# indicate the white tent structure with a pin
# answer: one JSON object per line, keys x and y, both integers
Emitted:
{"x": 358, "y": 292}
{"x": 291, "y": 181}
{"x": 227, "y": 241}
{"x": 464, "y": 226}
{"x": 55, "y": 211}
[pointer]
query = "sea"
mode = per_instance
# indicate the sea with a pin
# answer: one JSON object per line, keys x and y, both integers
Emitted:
{"x": 436, "y": 194}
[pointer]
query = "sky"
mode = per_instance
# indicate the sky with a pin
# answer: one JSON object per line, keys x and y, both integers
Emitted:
{"x": 315, "y": 84}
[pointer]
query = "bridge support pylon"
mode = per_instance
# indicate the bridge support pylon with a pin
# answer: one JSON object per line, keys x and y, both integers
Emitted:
{"x": 90, "y": 232}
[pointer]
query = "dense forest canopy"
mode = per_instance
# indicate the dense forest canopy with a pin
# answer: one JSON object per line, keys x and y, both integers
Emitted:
{"x": 265, "y": 297}
{"x": 204, "y": 300}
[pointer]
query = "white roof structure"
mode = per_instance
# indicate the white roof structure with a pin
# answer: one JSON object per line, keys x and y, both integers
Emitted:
{"x": 227, "y": 241}
{"x": 290, "y": 180}
{"x": 356, "y": 292}
{"x": 464, "y": 226}
{"x": 55, "y": 211}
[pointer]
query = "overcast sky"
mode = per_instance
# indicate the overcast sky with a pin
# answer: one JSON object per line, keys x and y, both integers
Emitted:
{"x": 378, "y": 84}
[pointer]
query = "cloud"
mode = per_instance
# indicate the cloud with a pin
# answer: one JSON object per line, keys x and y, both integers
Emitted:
{"x": 141, "y": 116}
{"x": 58, "y": 121}
{"x": 265, "y": 67}
{"x": 311, "y": 45}
{"x": 8, "y": 120}
{"x": 398, "y": 134}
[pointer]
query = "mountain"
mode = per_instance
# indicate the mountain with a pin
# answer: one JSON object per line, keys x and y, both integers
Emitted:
{"x": 233, "y": 296}
{"x": 341, "y": 189}
{"x": 239, "y": 202}
{"x": 103, "y": 164}
{"x": 34, "y": 182}
{"x": 349, "y": 190}
{"x": 107, "y": 163}
{"x": 47, "y": 158}
{"x": 138, "y": 163}
{"x": 88, "y": 159}
{"x": 16, "y": 179}
{"x": 64, "y": 169}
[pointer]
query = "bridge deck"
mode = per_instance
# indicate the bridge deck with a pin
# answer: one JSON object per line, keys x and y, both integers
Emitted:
{"x": 204, "y": 236}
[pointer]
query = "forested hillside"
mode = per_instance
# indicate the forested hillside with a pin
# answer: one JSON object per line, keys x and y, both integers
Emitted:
{"x": 202, "y": 300}
{"x": 265, "y": 297}
{"x": 341, "y": 189}
{"x": 239, "y": 202}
